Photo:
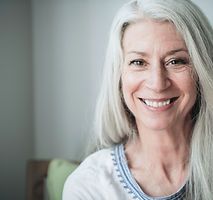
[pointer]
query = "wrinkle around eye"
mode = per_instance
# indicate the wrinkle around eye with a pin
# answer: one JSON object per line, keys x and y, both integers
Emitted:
{"x": 137, "y": 63}
{"x": 177, "y": 62}
{"x": 179, "y": 68}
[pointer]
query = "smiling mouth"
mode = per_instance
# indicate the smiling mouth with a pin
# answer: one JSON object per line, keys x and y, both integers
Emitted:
{"x": 157, "y": 104}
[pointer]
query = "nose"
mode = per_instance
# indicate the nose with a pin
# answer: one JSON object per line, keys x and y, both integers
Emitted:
{"x": 158, "y": 79}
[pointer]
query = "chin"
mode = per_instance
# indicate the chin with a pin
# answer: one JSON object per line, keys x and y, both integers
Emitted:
{"x": 157, "y": 125}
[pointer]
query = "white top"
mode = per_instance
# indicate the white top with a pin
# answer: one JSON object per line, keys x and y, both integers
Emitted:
{"x": 105, "y": 175}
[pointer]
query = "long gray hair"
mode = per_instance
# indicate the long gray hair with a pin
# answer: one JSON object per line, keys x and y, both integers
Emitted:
{"x": 115, "y": 124}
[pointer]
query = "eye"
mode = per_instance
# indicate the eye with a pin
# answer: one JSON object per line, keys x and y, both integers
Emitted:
{"x": 176, "y": 62}
{"x": 137, "y": 63}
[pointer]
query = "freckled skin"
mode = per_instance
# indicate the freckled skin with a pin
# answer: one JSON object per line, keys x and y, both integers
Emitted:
{"x": 157, "y": 66}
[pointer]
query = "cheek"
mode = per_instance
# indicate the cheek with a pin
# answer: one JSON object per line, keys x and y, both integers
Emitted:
{"x": 127, "y": 89}
{"x": 185, "y": 81}
{"x": 189, "y": 89}
{"x": 130, "y": 84}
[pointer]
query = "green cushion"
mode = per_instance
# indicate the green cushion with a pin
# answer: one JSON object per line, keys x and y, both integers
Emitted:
{"x": 57, "y": 174}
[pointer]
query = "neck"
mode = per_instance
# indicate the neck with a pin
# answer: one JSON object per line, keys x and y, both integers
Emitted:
{"x": 164, "y": 148}
{"x": 158, "y": 160}
{"x": 165, "y": 152}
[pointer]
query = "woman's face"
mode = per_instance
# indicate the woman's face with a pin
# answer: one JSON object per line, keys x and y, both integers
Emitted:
{"x": 157, "y": 81}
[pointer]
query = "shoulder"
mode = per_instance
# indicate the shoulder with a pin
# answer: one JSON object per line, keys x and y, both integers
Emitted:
{"x": 94, "y": 173}
{"x": 99, "y": 159}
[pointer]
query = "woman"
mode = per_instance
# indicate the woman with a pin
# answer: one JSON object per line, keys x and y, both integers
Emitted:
{"x": 155, "y": 111}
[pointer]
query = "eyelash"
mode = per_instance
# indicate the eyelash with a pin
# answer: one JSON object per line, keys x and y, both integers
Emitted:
{"x": 137, "y": 62}
{"x": 178, "y": 61}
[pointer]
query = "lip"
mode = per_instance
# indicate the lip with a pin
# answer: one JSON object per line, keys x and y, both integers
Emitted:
{"x": 161, "y": 108}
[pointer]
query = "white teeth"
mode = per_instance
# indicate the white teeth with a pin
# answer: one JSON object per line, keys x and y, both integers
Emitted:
{"x": 160, "y": 104}
{"x": 157, "y": 104}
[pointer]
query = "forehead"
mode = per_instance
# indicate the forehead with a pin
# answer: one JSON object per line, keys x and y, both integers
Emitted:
{"x": 148, "y": 33}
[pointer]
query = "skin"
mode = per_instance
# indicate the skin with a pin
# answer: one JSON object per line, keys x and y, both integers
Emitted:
{"x": 157, "y": 67}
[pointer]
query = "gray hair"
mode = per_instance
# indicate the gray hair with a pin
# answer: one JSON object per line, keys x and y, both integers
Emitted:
{"x": 114, "y": 123}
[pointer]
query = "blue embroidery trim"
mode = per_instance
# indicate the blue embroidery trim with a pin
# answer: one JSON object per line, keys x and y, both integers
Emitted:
{"x": 129, "y": 183}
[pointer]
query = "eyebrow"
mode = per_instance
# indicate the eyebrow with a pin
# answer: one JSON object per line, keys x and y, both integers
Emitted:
{"x": 169, "y": 53}
{"x": 176, "y": 50}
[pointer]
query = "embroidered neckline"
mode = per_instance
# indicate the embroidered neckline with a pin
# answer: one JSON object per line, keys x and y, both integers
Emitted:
{"x": 128, "y": 181}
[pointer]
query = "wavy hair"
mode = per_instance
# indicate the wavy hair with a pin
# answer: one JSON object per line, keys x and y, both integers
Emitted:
{"x": 114, "y": 123}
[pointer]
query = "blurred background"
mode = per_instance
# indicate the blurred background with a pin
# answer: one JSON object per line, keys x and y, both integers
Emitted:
{"x": 51, "y": 58}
